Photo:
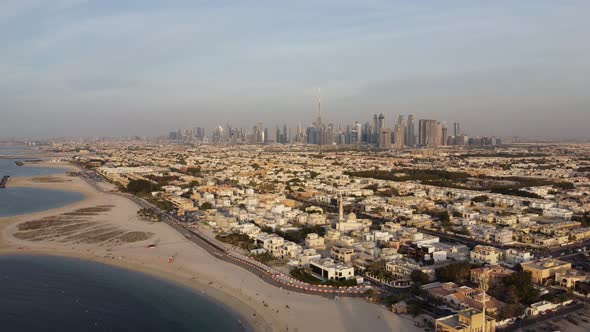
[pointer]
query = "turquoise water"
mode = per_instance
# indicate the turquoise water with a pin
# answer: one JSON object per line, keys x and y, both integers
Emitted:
{"x": 17, "y": 200}
{"x": 43, "y": 293}
{"x": 8, "y": 167}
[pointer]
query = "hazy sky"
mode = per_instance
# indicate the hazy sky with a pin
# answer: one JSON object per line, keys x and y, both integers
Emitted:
{"x": 144, "y": 67}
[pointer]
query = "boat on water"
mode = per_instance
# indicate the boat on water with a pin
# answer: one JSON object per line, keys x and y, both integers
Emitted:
{"x": 4, "y": 181}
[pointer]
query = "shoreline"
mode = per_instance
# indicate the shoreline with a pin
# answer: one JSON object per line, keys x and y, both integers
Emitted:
{"x": 194, "y": 287}
{"x": 229, "y": 303}
{"x": 262, "y": 306}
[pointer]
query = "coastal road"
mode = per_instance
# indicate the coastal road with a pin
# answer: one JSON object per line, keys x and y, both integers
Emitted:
{"x": 216, "y": 249}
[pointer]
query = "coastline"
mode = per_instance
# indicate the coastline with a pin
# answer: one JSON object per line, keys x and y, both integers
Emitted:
{"x": 262, "y": 306}
{"x": 228, "y": 302}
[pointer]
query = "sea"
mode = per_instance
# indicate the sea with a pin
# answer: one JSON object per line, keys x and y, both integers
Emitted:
{"x": 49, "y": 293}
{"x": 20, "y": 200}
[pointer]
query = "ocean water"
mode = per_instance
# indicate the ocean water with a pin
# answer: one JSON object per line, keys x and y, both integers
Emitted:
{"x": 15, "y": 200}
{"x": 44, "y": 293}
{"x": 20, "y": 200}
{"x": 8, "y": 167}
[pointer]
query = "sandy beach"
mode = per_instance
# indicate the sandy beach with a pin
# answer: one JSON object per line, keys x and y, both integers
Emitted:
{"x": 105, "y": 227}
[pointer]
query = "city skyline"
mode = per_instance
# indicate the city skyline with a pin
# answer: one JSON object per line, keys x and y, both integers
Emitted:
{"x": 140, "y": 68}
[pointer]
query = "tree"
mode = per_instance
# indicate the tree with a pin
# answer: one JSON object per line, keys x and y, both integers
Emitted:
{"x": 456, "y": 272}
{"x": 516, "y": 288}
{"x": 206, "y": 206}
{"x": 510, "y": 310}
{"x": 480, "y": 199}
{"x": 419, "y": 277}
{"x": 141, "y": 186}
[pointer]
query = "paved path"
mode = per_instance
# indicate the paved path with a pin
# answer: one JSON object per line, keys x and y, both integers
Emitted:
{"x": 215, "y": 248}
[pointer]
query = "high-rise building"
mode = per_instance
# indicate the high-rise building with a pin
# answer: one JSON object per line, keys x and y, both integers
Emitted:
{"x": 427, "y": 133}
{"x": 385, "y": 138}
{"x": 410, "y": 136}
{"x": 456, "y": 129}
{"x": 398, "y": 132}
{"x": 445, "y": 135}
{"x": 375, "y": 130}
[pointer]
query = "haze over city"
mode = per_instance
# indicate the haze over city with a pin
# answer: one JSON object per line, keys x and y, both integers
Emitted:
{"x": 115, "y": 68}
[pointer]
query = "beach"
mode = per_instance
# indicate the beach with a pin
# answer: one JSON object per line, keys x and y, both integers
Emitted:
{"x": 105, "y": 227}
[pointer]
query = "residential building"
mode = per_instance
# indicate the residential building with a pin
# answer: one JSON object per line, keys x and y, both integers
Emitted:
{"x": 485, "y": 255}
{"x": 327, "y": 269}
{"x": 466, "y": 320}
{"x": 543, "y": 270}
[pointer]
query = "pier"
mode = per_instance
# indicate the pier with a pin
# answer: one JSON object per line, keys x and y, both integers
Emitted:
{"x": 4, "y": 181}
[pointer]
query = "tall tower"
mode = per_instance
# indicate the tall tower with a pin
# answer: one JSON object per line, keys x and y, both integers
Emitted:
{"x": 319, "y": 121}
{"x": 456, "y": 129}
{"x": 398, "y": 132}
{"x": 410, "y": 139}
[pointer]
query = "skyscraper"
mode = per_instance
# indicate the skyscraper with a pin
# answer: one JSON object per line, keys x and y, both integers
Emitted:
{"x": 445, "y": 135}
{"x": 385, "y": 138}
{"x": 375, "y": 130}
{"x": 456, "y": 129}
{"x": 398, "y": 132}
{"x": 427, "y": 132}
{"x": 410, "y": 136}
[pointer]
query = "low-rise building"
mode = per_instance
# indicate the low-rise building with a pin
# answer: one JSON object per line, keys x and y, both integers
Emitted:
{"x": 485, "y": 255}
{"x": 466, "y": 321}
{"x": 493, "y": 274}
{"x": 315, "y": 241}
{"x": 515, "y": 256}
{"x": 569, "y": 278}
{"x": 544, "y": 269}
{"x": 342, "y": 254}
{"x": 327, "y": 269}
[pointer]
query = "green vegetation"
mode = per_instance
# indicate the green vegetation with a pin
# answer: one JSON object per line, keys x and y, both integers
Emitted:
{"x": 379, "y": 271}
{"x": 393, "y": 299}
{"x": 419, "y": 277}
{"x": 480, "y": 199}
{"x": 583, "y": 287}
{"x": 194, "y": 171}
{"x": 162, "y": 180}
{"x": 161, "y": 204}
{"x": 205, "y": 206}
{"x": 238, "y": 240}
{"x": 267, "y": 258}
{"x": 141, "y": 186}
{"x": 442, "y": 215}
{"x": 510, "y": 310}
{"x": 416, "y": 306}
{"x": 515, "y": 192}
{"x": 266, "y": 188}
{"x": 456, "y": 272}
{"x": 149, "y": 213}
{"x": 584, "y": 219}
{"x": 558, "y": 297}
{"x": 426, "y": 176}
{"x": 516, "y": 288}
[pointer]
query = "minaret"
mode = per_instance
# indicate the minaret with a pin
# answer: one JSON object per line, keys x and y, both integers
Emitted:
{"x": 340, "y": 208}
{"x": 484, "y": 285}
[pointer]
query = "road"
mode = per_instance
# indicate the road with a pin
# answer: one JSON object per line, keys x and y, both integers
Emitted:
{"x": 541, "y": 318}
{"x": 215, "y": 248}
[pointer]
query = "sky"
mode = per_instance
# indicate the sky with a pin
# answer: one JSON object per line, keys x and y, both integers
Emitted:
{"x": 145, "y": 67}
